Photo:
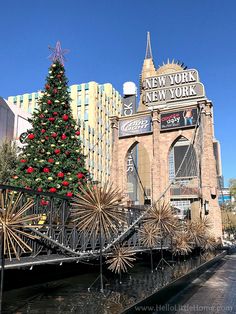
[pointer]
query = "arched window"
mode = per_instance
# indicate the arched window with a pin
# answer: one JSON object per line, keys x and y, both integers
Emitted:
{"x": 182, "y": 160}
{"x": 138, "y": 174}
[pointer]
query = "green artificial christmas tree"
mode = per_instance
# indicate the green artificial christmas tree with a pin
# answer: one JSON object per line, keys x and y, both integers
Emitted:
{"x": 52, "y": 160}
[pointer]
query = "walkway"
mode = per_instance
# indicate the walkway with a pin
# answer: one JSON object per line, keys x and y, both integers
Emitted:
{"x": 213, "y": 292}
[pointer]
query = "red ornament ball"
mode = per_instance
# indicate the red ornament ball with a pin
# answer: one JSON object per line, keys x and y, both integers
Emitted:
{"x": 77, "y": 133}
{"x": 67, "y": 153}
{"x": 58, "y": 75}
{"x": 69, "y": 194}
{"x": 54, "y": 134}
{"x": 30, "y": 170}
{"x": 63, "y": 137}
{"x": 57, "y": 151}
{"x": 40, "y": 190}
{"x": 43, "y": 131}
{"x": 46, "y": 169}
{"x": 51, "y": 119}
{"x": 80, "y": 175}
{"x": 65, "y": 117}
{"x": 23, "y": 160}
{"x": 49, "y": 102}
{"x": 41, "y": 115}
{"x": 55, "y": 91}
{"x": 52, "y": 190}
{"x": 51, "y": 160}
{"x": 65, "y": 183}
{"x": 44, "y": 203}
{"x": 55, "y": 113}
{"x": 31, "y": 136}
{"x": 60, "y": 175}
{"x": 47, "y": 86}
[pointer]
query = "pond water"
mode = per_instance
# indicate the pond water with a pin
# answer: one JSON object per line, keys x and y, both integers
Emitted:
{"x": 71, "y": 295}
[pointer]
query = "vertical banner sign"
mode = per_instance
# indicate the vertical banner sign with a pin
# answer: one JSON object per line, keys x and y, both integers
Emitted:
{"x": 128, "y": 109}
{"x": 129, "y": 105}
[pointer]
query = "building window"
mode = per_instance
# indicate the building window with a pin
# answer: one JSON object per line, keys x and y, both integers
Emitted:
{"x": 86, "y": 113}
{"x": 79, "y": 113}
{"x": 79, "y": 88}
{"x": 182, "y": 160}
{"x": 30, "y": 106}
{"x": 86, "y": 98}
{"x": 86, "y": 86}
{"x": 79, "y": 99}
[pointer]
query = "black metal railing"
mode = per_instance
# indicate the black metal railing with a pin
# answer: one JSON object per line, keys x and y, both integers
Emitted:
{"x": 56, "y": 231}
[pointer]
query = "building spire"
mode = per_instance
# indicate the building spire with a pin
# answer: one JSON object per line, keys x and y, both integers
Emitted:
{"x": 148, "y": 48}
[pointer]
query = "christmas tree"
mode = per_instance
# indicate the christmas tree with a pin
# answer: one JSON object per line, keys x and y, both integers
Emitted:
{"x": 52, "y": 160}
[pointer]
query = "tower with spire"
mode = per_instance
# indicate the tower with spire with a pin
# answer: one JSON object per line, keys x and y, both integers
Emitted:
{"x": 148, "y": 69}
{"x": 148, "y": 64}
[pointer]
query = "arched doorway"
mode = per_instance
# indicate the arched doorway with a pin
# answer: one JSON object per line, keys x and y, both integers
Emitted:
{"x": 138, "y": 175}
{"x": 184, "y": 170}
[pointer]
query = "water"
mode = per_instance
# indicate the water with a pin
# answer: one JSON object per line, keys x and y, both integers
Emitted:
{"x": 71, "y": 295}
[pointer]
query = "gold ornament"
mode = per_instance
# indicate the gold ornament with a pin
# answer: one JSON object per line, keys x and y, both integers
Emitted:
{"x": 50, "y": 178}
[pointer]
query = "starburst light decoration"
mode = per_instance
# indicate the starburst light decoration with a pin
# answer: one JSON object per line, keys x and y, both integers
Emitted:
{"x": 161, "y": 216}
{"x": 120, "y": 259}
{"x": 14, "y": 221}
{"x": 149, "y": 235}
{"x": 199, "y": 231}
{"x": 99, "y": 209}
{"x": 181, "y": 244}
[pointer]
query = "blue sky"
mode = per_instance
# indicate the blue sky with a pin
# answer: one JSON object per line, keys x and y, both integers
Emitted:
{"x": 107, "y": 40}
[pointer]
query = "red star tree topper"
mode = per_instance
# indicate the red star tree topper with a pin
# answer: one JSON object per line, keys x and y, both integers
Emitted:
{"x": 52, "y": 160}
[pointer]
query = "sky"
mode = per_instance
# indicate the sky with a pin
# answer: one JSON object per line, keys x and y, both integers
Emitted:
{"x": 107, "y": 42}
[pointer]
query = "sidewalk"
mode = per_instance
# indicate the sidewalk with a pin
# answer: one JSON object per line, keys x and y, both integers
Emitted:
{"x": 216, "y": 294}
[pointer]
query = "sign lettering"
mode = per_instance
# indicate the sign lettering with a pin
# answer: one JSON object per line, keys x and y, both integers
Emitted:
{"x": 172, "y": 87}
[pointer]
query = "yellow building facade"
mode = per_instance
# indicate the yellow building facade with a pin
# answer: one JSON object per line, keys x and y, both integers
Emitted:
{"x": 91, "y": 105}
